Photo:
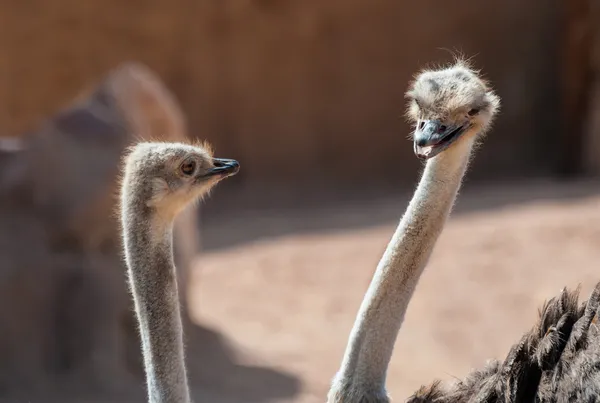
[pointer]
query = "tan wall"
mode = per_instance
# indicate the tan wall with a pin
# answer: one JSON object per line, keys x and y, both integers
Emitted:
{"x": 295, "y": 89}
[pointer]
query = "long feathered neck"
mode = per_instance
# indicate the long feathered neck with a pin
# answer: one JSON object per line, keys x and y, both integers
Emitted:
{"x": 153, "y": 282}
{"x": 382, "y": 311}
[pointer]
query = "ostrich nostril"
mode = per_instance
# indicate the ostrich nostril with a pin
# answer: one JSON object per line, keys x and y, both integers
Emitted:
{"x": 443, "y": 128}
{"x": 421, "y": 125}
{"x": 421, "y": 142}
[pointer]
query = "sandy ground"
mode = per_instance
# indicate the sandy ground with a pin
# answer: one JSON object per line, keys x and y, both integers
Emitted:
{"x": 283, "y": 287}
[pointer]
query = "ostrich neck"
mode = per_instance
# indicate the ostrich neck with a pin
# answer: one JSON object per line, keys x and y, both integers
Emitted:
{"x": 382, "y": 311}
{"x": 153, "y": 280}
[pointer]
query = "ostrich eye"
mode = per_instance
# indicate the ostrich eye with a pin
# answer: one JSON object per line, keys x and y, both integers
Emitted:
{"x": 188, "y": 167}
{"x": 473, "y": 112}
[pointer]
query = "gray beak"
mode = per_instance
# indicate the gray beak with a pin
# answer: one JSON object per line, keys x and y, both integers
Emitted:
{"x": 224, "y": 167}
{"x": 434, "y": 137}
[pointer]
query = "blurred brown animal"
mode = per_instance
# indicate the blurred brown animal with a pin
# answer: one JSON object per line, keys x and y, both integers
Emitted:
{"x": 64, "y": 305}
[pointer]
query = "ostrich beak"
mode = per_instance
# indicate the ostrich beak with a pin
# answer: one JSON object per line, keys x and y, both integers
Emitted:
{"x": 224, "y": 167}
{"x": 434, "y": 137}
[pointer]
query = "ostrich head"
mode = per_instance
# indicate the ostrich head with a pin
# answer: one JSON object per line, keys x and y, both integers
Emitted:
{"x": 448, "y": 106}
{"x": 169, "y": 176}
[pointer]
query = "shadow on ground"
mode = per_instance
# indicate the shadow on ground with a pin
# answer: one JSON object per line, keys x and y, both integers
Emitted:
{"x": 215, "y": 369}
{"x": 280, "y": 213}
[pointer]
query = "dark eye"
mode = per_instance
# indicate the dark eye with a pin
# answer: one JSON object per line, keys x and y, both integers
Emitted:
{"x": 188, "y": 167}
{"x": 473, "y": 112}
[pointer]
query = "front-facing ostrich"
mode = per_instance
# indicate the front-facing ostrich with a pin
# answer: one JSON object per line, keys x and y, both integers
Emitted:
{"x": 159, "y": 181}
{"x": 557, "y": 361}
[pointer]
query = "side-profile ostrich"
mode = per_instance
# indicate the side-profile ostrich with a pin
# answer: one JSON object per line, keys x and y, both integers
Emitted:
{"x": 558, "y": 360}
{"x": 159, "y": 180}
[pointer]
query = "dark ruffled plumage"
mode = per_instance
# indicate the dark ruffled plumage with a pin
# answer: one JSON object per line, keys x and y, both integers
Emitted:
{"x": 558, "y": 360}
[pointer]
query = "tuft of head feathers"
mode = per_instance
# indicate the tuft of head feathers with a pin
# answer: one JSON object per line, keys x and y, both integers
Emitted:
{"x": 452, "y": 94}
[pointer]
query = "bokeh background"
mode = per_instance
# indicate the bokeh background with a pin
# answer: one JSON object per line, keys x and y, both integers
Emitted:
{"x": 309, "y": 97}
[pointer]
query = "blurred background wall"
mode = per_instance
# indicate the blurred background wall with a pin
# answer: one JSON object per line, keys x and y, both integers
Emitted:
{"x": 300, "y": 91}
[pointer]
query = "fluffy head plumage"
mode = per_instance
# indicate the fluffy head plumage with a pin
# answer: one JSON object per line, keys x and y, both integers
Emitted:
{"x": 447, "y": 105}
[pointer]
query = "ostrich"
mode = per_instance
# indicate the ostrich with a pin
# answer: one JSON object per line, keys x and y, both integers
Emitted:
{"x": 558, "y": 360}
{"x": 159, "y": 180}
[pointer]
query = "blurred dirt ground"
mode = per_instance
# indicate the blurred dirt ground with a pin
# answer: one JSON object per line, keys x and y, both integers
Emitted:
{"x": 288, "y": 301}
